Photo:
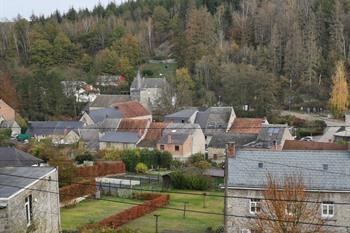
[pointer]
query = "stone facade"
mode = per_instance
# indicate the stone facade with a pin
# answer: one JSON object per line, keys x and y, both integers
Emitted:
{"x": 116, "y": 146}
{"x": 241, "y": 207}
{"x": 45, "y": 206}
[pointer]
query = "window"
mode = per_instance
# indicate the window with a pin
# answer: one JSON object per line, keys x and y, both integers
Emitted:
{"x": 290, "y": 210}
{"x": 161, "y": 147}
{"x": 327, "y": 209}
{"x": 254, "y": 206}
{"x": 215, "y": 156}
{"x": 29, "y": 209}
{"x": 177, "y": 148}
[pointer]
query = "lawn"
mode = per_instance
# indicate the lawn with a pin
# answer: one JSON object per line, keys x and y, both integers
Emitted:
{"x": 173, "y": 219}
{"x": 168, "y": 70}
{"x": 89, "y": 211}
{"x": 95, "y": 210}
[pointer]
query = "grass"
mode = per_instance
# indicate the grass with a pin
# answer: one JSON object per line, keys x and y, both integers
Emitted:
{"x": 90, "y": 211}
{"x": 173, "y": 219}
{"x": 95, "y": 210}
{"x": 168, "y": 70}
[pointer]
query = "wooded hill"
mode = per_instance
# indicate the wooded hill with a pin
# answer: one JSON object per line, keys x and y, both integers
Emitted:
{"x": 263, "y": 53}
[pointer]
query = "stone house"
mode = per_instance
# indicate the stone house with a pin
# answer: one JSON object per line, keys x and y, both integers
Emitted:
{"x": 322, "y": 173}
{"x": 182, "y": 140}
{"x": 6, "y": 111}
{"x": 12, "y": 157}
{"x": 60, "y": 132}
{"x": 29, "y": 205}
{"x": 271, "y": 137}
{"x": 147, "y": 91}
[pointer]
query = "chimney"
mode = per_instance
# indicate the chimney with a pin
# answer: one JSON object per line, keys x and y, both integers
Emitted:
{"x": 231, "y": 149}
{"x": 169, "y": 139}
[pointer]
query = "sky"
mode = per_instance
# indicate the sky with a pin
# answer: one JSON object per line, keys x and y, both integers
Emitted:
{"x": 9, "y": 9}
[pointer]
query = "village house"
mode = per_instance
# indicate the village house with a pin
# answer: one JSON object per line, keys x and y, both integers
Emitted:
{"x": 187, "y": 115}
{"x": 12, "y": 125}
{"x": 153, "y": 135}
{"x": 29, "y": 205}
{"x": 322, "y": 172}
{"x": 6, "y": 111}
{"x": 182, "y": 140}
{"x": 147, "y": 91}
{"x": 271, "y": 137}
{"x": 12, "y": 157}
{"x": 106, "y": 101}
{"x": 83, "y": 92}
{"x": 60, "y": 132}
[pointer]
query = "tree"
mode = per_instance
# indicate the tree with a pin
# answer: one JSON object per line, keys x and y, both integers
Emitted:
{"x": 291, "y": 215}
{"x": 339, "y": 100}
{"x": 184, "y": 87}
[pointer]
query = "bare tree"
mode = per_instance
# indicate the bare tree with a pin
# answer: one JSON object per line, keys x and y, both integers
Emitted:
{"x": 287, "y": 207}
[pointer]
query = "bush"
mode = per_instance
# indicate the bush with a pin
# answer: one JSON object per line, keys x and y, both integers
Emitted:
{"x": 195, "y": 158}
{"x": 141, "y": 168}
{"x": 184, "y": 180}
{"x": 114, "y": 155}
{"x": 202, "y": 164}
{"x": 84, "y": 157}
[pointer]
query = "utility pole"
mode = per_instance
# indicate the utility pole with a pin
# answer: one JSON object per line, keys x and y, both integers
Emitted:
{"x": 230, "y": 151}
{"x": 204, "y": 200}
{"x": 157, "y": 216}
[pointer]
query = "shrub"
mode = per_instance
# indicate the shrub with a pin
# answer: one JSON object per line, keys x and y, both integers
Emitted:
{"x": 113, "y": 155}
{"x": 195, "y": 158}
{"x": 84, "y": 157}
{"x": 185, "y": 180}
{"x": 202, "y": 164}
{"x": 141, "y": 168}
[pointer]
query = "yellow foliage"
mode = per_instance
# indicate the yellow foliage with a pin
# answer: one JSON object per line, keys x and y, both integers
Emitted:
{"x": 339, "y": 101}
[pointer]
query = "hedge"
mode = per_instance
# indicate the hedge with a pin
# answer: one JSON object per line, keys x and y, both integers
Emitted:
{"x": 101, "y": 169}
{"x": 185, "y": 180}
{"x": 136, "y": 211}
{"x": 73, "y": 191}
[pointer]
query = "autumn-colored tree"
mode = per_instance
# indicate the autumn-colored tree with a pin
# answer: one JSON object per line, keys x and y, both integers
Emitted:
{"x": 8, "y": 91}
{"x": 183, "y": 86}
{"x": 339, "y": 100}
{"x": 288, "y": 207}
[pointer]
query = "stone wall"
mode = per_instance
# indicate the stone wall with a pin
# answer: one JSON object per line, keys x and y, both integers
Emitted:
{"x": 241, "y": 207}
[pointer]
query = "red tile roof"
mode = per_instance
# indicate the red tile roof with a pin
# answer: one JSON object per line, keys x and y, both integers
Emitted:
{"x": 132, "y": 109}
{"x": 304, "y": 145}
{"x": 247, "y": 125}
{"x": 133, "y": 126}
{"x": 153, "y": 134}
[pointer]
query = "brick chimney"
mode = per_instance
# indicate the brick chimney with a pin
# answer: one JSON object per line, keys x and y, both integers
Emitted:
{"x": 169, "y": 139}
{"x": 231, "y": 149}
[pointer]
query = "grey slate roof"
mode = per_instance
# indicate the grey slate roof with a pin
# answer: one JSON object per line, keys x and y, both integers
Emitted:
{"x": 105, "y": 101}
{"x": 108, "y": 124}
{"x": 220, "y": 140}
{"x": 272, "y": 132}
{"x": 178, "y": 139}
{"x": 148, "y": 83}
{"x": 16, "y": 180}
{"x": 120, "y": 137}
{"x": 179, "y": 132}
{"x": 100, "y": 115}
{"x": 214, "y": 119}
{"x": 52, "y": 127}
{"x": 12, "y": 157}
{"x": 184, "y": 114}
{"x": 244, "y": 170}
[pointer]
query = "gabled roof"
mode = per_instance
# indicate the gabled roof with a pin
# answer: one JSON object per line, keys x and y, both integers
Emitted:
{"x": 105, "y": 101}
{"x": 153, "y": 134}
{"x": 133, "y": 126}
{"x": 247, "y": 125}
{"x": 272, "y": 132}
{"x": 214, "y": 119}
{"x": 15, "y": 181}
{"x": 108, "y": 124}
{"x": 132, "y": 109}
{"x": 52, "y": 127}
{"x": 184, "y": 114}
{"x": 321, "y": 170}
{"x": 178, "y": 133}
{"x": 304, "y": 145}
{"x": 120, "y": 137}
{"x": 220, "y": 140}
{"x": 100, "y": 115}
{"x": 12, "y": 157}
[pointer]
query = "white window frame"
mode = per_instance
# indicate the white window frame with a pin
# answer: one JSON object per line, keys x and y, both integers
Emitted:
{"x": 254, "y": 203}
{"x": 327, "y": 205}
{"x": 28, "y": 206}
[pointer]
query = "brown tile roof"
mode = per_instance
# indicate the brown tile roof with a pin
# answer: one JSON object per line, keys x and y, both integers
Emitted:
{"x": 132, "y": 126}
{"x": 132, "y": 109}
{"x": 153, "y": 134}
{"x": 247, "y": 125}
{"x": 304, "y": 145}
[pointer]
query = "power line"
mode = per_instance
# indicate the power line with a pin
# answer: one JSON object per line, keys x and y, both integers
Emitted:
{"x": 194, "y": 211}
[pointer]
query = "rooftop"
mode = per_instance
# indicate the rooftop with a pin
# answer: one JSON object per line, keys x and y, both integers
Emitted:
{"x": 247, "y": 125}
{"x": 105, "y": 101}
{"x": 132, "y": 109}
{"x": 214, "y": 119}
{"x": 220, "y": 140}
{"x": 13, "y": 181}
{"x": 133, "y": 125}
{"x": 153, "y": 134}
{"x": 52, "y": 127}
{"x": 321, "y": 170}
{"x": 120, "y": 137}
{"x": 304, "y": 145}
{"x": 100, "y": 115}
{"x": 183, "y": 114}
{"x": 10, "y": 156}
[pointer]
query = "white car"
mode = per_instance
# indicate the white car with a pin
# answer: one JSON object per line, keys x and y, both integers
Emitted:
{"x": 307, "y": 139}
